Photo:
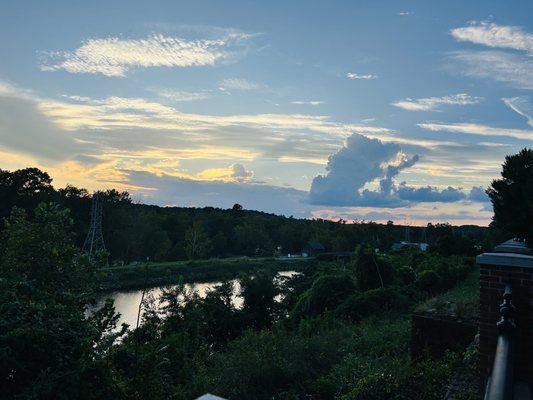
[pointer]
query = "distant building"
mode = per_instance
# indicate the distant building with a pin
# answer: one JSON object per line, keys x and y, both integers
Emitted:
{"x": 312, "y": 248}
{"x": 409, "y": 245}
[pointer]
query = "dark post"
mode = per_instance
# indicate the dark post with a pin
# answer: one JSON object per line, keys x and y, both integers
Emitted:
{"x": 510, "y": 263}
{"x": 501, "y": 381}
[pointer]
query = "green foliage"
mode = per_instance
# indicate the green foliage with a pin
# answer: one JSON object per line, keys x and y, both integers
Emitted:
{"x": 135, "y": 232}
{"x": 48, "y": 349}
{"x": 42, "y": 252}
{"x": 373, "y": 302}
{"x": 371, "y": 271}
{"x": 393, "y": 381}
{"x": 462, "y": 301}
{"x": 447, "y": 242}
{"x": 406, "y": 274}
{"x": 197, "y": 243}
{"x": 275, "y": 364}
{"x": 259, "y": 292}
{"x": 512, "y": 196}
{"x": 326, "y": 293}
{"x": 216, "y": 269}
{"x": 324, "y": 340}
{"x": 429, "y": 281}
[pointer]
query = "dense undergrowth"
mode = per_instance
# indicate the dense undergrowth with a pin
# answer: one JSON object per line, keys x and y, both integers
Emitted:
{"x": 340, "y": 332}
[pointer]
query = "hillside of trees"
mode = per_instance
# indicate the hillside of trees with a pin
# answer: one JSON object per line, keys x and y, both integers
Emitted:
{"x": 135, "y": 232}
{"x": 335, "y": 331}
{"x": 340, "y": 332}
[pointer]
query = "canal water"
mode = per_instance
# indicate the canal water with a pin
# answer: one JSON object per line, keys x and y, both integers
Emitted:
{"x": 127, "y": 301}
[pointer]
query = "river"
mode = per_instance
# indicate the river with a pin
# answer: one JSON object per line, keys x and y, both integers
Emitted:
{"x": 127, "y": 301}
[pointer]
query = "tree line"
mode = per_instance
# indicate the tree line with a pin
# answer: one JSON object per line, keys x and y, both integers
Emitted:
{"x": 134, "y": 232}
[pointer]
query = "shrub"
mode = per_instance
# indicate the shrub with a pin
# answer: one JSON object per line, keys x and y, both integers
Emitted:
{"x": 393, "y": 380}
{"x": 326, "y": 293}
{"x": 429, "y": 281}
{"x": 372, "y": 302}
{"x": 406, "y": 275}
{"x": 267, "y": 365}
{"x": 371, "y": 271}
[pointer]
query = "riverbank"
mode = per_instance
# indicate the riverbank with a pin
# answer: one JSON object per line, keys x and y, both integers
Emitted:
{"x": 140, "y": 275}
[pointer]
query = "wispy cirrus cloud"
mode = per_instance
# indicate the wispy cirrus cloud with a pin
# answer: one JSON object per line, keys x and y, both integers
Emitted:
{"x": 493, "y": 35}
{"x": 521, "y": 105}
{"x": 433, "y": 103}
{"x": 504, "y": 66}
{"x": 240, "y": 84}
{"x": 115, "y": 56}
{"x": 513, "y": 69}
{"x": 478, "y": 129}
{"x": 120, "y": 112}
{"x": 307, "y": 102}
{"x": 183, "y": 95}
{"x": 355, "y": 75}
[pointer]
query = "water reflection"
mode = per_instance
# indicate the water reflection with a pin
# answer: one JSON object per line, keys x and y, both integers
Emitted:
{"x": 127, "y": 302}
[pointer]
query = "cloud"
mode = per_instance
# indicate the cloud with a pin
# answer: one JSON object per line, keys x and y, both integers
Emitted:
{"x": 513, "y": 69}
{"x": 170, "y": 190}
{"x": 429, "y": 194}
{"x": 405, "y": 13}
{"x": 182, "y": 96}
{"x": 493, "y": 35}
{"x": 239, "y": 84}
{"x": 150, "y": 122}
{"x": 234, "y": 173}
{"x": 477, "y": 193}
{"x": 433, "y": 103}
{"x": 115, "y": 56}
{"x": 25, "y": 128}
{"x": 354, "y": 75}
{"x": 167, "y": 190}
{"x": 521, "y": 105}
{"x": 359, "y": 161}
{"x": 309, "y": 102}
{"x": 117, "y": 134}
{"x": 477, "y": 129}
{"x": 363, "y": 161}
{"x": 148, "y": 161}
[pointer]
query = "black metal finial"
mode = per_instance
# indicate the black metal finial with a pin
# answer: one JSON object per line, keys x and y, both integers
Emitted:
{"x": 507, "y": 310}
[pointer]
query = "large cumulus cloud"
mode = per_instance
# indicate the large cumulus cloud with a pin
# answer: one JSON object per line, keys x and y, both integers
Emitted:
{"x": 362, "y": 161}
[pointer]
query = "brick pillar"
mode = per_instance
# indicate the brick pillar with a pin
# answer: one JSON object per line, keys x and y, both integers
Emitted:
{"x": 496, "y": 270}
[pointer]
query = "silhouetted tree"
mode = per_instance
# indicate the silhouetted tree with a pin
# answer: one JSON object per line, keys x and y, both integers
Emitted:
{"x": 512, "y": 196}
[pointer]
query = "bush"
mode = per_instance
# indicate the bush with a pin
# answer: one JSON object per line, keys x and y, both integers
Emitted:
{"x": 429, "y": 281}
{"x": 372, "y": 302}
{"x": 273, "y": 365}
{"x": 371, "y": 271}
{"x": 393, "y": 380}
{"x": 406, "y": 275}
{"x": 326, "y": 293}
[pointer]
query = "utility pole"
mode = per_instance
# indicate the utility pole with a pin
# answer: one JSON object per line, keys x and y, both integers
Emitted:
{"x": 94, "y": 242}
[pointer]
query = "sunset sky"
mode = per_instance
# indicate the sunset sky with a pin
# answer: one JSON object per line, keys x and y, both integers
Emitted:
{"x": 373, "y": 110}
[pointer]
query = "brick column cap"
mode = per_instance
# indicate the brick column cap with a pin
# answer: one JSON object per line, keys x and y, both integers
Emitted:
{"x": 505, "y": 260}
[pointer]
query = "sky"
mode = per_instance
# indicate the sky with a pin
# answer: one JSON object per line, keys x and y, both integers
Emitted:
{"x": 361, "y": 110}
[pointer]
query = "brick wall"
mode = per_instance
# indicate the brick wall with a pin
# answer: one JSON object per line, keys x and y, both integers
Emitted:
{"x": 493, "y": 279}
